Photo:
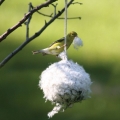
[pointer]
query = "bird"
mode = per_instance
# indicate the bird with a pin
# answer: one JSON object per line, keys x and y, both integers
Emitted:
{"x": 58, "y": 46}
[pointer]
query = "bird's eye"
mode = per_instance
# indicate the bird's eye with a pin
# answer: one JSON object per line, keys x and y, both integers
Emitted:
{"x": 72, "y": 34}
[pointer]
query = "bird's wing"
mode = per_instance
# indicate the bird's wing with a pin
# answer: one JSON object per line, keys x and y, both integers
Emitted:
{"x": 57, "y": 41}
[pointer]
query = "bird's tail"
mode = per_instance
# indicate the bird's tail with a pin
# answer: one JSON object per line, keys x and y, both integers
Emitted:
{"x": 39, "y": 51}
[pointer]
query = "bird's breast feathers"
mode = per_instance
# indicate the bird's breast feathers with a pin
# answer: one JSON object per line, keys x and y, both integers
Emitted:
{"x": 53, "y": 50}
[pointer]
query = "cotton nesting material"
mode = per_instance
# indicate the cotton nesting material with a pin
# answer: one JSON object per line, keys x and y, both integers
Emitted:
{"x": 64, "y": 83}
{"x": 77, "y": 42}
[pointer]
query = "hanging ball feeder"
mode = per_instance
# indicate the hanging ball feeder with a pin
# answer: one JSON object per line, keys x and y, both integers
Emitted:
{"x": 64, "y": 83}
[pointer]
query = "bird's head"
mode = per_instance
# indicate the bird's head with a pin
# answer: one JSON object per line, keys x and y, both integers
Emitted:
{"x": 73, "y": 34}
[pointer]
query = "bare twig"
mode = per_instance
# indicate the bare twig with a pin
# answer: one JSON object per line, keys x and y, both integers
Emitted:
{"x": 1, "y": 2}
{"x": 10, "y": 30}
{"x": 77, "y": 3}
{"x": 28, "y": 22}
{"x": 60, "y": 18}
{"x": 45, "y": 14}
{"x": 55, "y": 6}
{"x": 34, "y": 36}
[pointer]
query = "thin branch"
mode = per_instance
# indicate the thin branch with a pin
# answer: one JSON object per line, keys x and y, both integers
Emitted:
{"x": 34, "y": 36}
{"x": 42, "y": 13}
{"x": 1, "y": 2}
{"x": 45, "y": 14}
{"x": 10, "y": 30}
{"x": 28, "y": 21}
{"x": 55, "y": 8}
{"x": 55, "y": 13}
{"x": 60, "y": 18}
{"x": 77, "y": 3}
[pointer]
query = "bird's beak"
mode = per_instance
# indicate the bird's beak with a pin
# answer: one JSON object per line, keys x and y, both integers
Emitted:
{"x": 76, "y": 37}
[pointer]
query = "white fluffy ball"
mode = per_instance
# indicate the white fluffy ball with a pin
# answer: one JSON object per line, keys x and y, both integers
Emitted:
{"x": 64, "y": 83}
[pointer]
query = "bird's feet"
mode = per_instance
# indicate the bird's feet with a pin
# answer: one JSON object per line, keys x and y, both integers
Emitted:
{"x": 64, "y": 45}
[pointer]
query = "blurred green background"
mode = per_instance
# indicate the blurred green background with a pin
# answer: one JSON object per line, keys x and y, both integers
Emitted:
{"x": 99, "y": 28}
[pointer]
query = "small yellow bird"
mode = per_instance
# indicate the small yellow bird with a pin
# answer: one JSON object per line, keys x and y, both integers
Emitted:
{"x": 58, "y": 46}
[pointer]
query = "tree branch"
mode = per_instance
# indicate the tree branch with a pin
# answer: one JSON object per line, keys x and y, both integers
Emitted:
{"x": 61, "y": 18}
{"x": 28, "y": 21}
{"x": 34, "y": 36}
{"x": 10, "y": 30}
{"x": 55, "y": 12}
{"x": 77, "y": 3}
{"x": 1, "y": 2}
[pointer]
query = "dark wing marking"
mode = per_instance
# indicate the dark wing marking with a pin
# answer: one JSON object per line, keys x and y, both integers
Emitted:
{"x": 60, "y": 40}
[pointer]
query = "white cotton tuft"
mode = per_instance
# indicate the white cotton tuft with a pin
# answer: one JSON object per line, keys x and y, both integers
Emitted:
{"x": 64, "y": 83}
{"x": 77, "y": 42}
{"x": 62, "y": 56}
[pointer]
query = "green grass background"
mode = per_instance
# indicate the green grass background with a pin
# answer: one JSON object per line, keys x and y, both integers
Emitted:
{"x": 99, "y": 28}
